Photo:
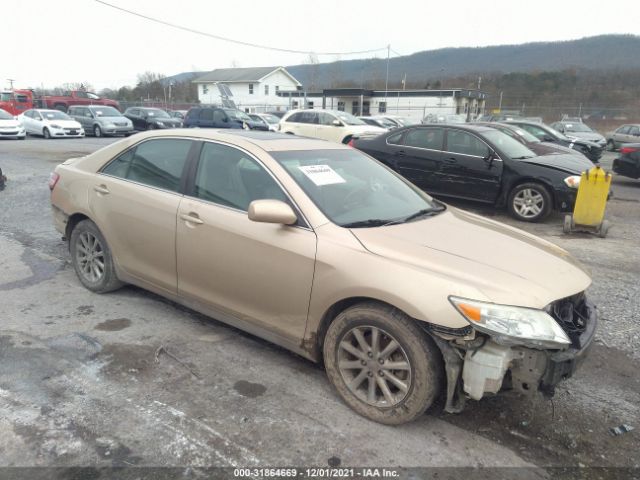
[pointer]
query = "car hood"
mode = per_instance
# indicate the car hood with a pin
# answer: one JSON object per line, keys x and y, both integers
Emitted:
{"x": 588, "y": 136}
{"x": 165, "y": 120}
{"x": 567, "y": 162}
{"x": 113, "y": 119}
{"x": 555, "y": 148}
{"x": 507, "y": 265}
{"x": 10, "y": 123}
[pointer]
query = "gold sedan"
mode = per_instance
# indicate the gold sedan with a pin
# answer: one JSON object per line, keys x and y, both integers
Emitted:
{"x": 319, "y": 248}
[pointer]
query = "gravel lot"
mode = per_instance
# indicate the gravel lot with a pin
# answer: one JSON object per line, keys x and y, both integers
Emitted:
{"x": 82, "y": 383}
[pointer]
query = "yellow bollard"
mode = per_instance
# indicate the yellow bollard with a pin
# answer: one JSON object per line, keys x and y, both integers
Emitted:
{"x": 591, "y": 202}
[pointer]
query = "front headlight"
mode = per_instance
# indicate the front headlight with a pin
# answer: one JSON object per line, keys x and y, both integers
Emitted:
{"x": 573, "y": 181}
{"x": 161, "y": 124}
{"x": 53, "y": 125}
{"x": 512, "y": 325}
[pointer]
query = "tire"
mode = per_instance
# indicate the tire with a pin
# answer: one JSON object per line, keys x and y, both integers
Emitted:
{"x": 46, "y": 133}
{"x": 611, "y": 146}
{"x": 81, "y": 243}
{"x": 529, "y": 202}
{"x": 347, "y": 139}
{"x": 60, "y": 106}
{"x": 567, "y": 225}
{"x": 421, "y": 373}
{"x": 151, "y": 126}
{"x": 97, "y": 131}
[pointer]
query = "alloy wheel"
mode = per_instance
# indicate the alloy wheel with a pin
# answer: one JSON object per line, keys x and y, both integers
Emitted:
{"x": 528, "y": 203}
{"x": 90, "y": 257}
{"x": 374, "y": 366}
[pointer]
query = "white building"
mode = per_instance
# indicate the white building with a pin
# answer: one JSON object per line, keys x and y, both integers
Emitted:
{"x": 415, "y": 104}
{"x": 252, "y": 89}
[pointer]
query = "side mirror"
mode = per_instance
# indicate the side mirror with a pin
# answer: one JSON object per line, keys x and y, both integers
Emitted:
{"x": 271, "y": 211}
{"x": 336, "y": 123}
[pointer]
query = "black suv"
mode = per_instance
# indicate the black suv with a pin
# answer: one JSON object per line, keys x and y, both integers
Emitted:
{"x": 219, "y": 117}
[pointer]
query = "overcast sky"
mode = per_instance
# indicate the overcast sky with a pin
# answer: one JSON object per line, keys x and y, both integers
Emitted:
{"x": 85, "y": 41}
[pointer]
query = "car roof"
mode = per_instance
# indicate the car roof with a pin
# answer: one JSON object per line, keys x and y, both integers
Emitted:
{"x": 267, "y": 141}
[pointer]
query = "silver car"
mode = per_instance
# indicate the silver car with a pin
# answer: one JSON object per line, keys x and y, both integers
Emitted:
{"x": 101, "y": 120}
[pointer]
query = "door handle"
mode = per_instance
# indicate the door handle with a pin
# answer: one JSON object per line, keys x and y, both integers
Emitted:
{"x": 191, "y": 217}
{"x": 101, "y": 189}
{"x": 400, "y": 153}
{"x": 451, "y": 160}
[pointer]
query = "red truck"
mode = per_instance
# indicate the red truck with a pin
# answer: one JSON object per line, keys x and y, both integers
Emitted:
{"x": 16, "y": 101}
{"x": 73, "y": 97}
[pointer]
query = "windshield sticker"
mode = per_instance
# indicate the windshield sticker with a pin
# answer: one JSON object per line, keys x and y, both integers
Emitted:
{"x": 322, "y": 175}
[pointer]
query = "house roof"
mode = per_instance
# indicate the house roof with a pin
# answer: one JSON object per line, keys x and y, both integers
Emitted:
{"x": 240, "y": 75}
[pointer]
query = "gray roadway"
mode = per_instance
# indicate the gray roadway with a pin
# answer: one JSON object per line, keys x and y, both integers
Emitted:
{"x": 82, "y": 381}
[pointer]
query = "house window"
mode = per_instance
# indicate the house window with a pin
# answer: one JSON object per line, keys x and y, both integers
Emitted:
{"x": 341, "y": 106}
{"x": 251, "y": 89}
{"x": 310, "y": 105}
{"x": 355, "y": 108}
{"x": 277, "y": 89}
{"x": 382, "y": 107}
{"x": 266, "y": 89}
{"x": 205, "y": 89}
{"x": 295, "y": 104}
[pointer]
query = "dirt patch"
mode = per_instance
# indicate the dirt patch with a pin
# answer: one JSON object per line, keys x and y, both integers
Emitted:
{"x": 123, "y": 359}
{"x": 248, "y": 389}
{"x": 113, "y": 325}
{"x": 85, "y": 309}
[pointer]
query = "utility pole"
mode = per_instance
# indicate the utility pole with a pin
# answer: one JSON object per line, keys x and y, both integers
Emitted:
{"x": 500, "y": 103}
{"x": 11, "y": 80}
{"x": 479, "y": 82}
{"x": 386, "y": 83}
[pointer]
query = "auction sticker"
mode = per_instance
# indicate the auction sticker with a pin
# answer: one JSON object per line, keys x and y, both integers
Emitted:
{"x": 322, "y": 175}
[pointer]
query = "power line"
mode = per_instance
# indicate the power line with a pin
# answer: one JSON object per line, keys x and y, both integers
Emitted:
{"x": 231, "y": 40}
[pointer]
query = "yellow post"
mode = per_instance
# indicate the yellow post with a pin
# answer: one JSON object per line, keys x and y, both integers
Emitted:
{"x": 592, "y": 197}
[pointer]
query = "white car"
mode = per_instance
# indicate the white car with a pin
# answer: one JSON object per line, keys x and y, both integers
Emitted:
{"x": 332, "y": 125}
{"x": 270, "y": 120}
{"x": 10, "y": 127}
{"x": 50, "y": 124}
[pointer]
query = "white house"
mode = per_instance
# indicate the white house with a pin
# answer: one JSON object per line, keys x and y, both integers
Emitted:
{"x": 252, "y": 89}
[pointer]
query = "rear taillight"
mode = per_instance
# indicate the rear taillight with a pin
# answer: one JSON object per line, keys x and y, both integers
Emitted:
{"x": 628, "y": 150}
{"x": 53, "y": 180}
{"x": 351, "y": 142}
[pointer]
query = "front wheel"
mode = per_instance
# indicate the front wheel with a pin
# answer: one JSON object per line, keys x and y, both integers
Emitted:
{"x": 92, "y": 259}
{"x": 529, "y": 202}
{"x": 611, "y": 146}
{"x": 46, "y": 133}
{"x": 97, "y": 131}
{"x": 151, "y": 126}
{"x": 382, "y": 364}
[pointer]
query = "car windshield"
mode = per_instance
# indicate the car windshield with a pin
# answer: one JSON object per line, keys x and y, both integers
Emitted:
{"x": 157, "y": 113}
{"x": 238, "y": 115}
{"x": 4, "y": 115}
{"x": 348, "y": 118}
{"x": 271, "y": 118}
{"x": 561, "y": 136}
{"x": 576, "y": 127}
{"x": 55, "y": 115}
{"x": 385, "y": 122}
{"x": 5, "y": 96}
{"x": 353, "y": 190}
{"x": 522, "y": 133}
{"x": 509, "y": 146}
{"x": 106, "y": 112}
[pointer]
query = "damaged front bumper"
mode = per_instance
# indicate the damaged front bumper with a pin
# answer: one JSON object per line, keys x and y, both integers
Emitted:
{"x": 482, "y": 366}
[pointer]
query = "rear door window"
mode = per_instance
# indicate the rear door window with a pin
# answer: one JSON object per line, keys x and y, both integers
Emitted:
{"x": 430, "y": 138}
{"x": 466, "y": 144}
{"x": 157, "y": 163}
{"x": 206, "y": 114}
